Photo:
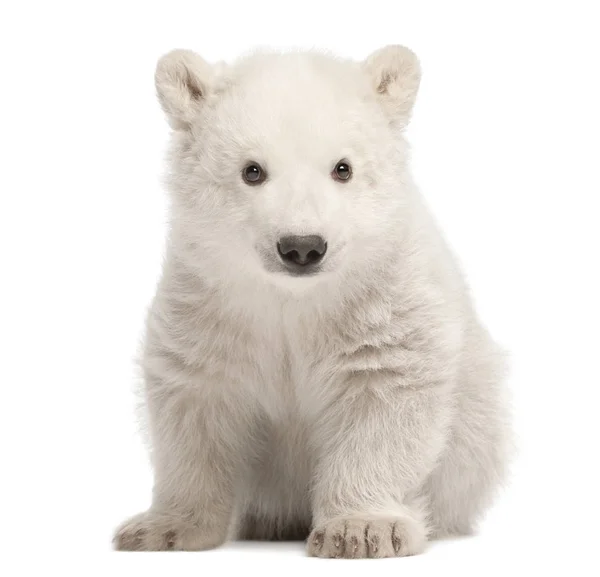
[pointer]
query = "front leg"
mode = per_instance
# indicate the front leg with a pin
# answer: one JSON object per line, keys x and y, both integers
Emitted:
{"x": 378, "y": 443}
{"x": 196, "y": 440}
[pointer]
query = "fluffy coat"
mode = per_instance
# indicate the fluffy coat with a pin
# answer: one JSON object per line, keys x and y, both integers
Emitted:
{"x": 362, "y": 406}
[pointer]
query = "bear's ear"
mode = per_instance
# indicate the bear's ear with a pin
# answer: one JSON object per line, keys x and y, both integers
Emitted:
{"x": 395, "y": 73}
{"x": 183, "y": 82}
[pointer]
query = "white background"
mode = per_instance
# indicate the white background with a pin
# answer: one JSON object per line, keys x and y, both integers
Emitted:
{"x": 505, "y": 139}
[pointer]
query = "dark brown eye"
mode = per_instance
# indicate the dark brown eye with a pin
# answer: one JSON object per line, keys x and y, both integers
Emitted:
{"x": 253, "y": 174}
{"x": 342, "y": 171}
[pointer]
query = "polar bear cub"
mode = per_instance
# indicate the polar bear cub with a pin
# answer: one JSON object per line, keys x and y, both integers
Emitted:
{"x": 313, "y": 365}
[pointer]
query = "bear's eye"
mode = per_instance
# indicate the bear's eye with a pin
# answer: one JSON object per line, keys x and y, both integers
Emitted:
{"x": 253, "y": 174}
{"x": 342, "y": 171}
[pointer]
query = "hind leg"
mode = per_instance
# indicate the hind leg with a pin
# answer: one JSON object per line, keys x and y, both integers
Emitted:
{"x": 273, "y": 501}
{"x": 473, "y": 466}
{"x": 259, "y": 528}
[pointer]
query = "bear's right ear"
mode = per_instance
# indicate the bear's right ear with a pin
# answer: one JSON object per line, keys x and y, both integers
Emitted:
{"x": 395, "y": 75}
{"x": 183, "y": 81}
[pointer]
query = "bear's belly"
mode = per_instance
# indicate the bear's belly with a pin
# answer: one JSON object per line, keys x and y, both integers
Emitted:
{"x": 274, "y": 489}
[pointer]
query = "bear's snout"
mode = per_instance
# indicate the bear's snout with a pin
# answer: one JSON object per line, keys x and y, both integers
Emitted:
{"x": 301, "y": 253}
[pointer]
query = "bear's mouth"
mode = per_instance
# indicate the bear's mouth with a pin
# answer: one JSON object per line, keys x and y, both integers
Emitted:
{"x": 276, "y": 266}
{"x": 298, "y": 270}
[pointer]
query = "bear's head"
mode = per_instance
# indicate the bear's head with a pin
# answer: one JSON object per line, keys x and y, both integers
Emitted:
{"x": 289, "y": 168}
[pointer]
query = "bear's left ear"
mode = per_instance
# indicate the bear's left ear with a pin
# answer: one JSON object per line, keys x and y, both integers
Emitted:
{"x": 183, "y": 81}
{"x": 395, "y": 73}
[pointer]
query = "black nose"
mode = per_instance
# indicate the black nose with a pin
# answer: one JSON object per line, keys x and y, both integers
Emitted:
{"x": 302, "y": 250}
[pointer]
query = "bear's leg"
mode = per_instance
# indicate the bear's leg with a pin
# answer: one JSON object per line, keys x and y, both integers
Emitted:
{"x": 474, "y": 462}
{"x": 375, "y": 450}
{"x": 196, "y": 438}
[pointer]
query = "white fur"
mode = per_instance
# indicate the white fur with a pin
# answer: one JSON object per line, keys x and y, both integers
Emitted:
{"x": 365, "y": 402}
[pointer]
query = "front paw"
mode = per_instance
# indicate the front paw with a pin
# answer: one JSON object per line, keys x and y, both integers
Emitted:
{"x": 153, "y": 531}
{"x": 353, "y": 538}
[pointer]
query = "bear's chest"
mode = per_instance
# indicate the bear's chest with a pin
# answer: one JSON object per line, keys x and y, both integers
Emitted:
{"x": 302, "y": 365}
